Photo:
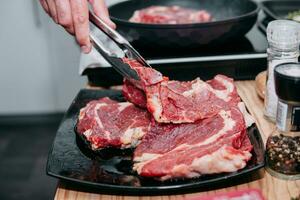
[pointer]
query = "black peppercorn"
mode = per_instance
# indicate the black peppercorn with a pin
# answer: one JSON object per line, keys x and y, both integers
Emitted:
{"x": 283, "y": 154}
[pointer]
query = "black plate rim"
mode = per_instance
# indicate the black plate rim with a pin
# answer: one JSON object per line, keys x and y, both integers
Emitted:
{"x": 155, "y": 189}
{"x": 245, "y": 16}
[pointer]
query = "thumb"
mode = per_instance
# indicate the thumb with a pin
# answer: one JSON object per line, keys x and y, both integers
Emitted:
{"x": 100, "y": 9}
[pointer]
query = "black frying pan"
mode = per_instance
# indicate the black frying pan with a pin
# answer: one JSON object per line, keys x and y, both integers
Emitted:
{"x": 280, "y": 9}
{"x": 232, "y": 19}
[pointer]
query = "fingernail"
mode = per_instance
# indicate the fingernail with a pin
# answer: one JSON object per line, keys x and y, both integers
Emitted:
{"x": 113, "y": 25}
{"x": 85, "y": 49}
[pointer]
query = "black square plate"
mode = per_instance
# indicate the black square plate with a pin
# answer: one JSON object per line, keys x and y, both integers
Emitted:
{"x": 280, "y": 9}
{"x": 70, "y": 160}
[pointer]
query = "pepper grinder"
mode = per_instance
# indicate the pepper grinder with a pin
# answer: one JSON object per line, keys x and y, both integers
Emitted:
{"x": 283, "y": 145}
{"x": 283, "y": 39}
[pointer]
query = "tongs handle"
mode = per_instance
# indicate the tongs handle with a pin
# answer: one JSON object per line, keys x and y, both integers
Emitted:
{"x": 119, "y": 39}
{"x": 113, "y": 56}
{"x": 126, "y": 47}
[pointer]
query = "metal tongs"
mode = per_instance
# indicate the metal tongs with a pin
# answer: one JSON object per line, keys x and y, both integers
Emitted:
{"x": 114, "y": 58}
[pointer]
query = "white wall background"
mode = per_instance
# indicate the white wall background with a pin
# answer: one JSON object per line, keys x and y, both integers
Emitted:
{"x": 38, "y": 61}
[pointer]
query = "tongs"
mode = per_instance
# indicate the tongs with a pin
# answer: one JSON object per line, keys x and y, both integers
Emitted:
{"x": 114, "y": 58}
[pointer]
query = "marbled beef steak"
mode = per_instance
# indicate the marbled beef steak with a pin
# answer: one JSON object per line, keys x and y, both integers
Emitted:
{"x": 179, "y": 129}
{"x": 213, "y": 145}
{"x": 170, "y": 15}
{"x": 177, "y": 101}
{"x": 107, "y": 123}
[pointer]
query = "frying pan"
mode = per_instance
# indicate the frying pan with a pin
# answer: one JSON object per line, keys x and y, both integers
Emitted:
{"x": 280, "y": 9}
{"x": 232, "y": 19}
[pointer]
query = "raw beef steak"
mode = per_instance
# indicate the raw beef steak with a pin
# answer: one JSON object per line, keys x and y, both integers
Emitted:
{"x": 213, "y": 145}
{"x": 107, "y": 123}
{"x": 182, "y": 102}
{"x": 179, "y": 129}
{"x": 134, "y": 95}
{"x": 170, "y": 15}
{"x": 148, "y": 76}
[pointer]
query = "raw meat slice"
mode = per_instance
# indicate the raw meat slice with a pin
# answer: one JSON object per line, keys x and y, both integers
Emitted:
{"x": 170, "y": 15}
{"x": 203, "y": 129}
{"x": 133, "y": 94}
{"x": 214, "y": 145}
{"x": 182, "y": 102}
{"x": 107, "y": 123}
{"x": 148, "y": 76}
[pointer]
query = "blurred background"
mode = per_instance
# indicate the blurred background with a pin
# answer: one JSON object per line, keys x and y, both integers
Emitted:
{"x": 39, "y": 69}
{"x": 38, "y": 80}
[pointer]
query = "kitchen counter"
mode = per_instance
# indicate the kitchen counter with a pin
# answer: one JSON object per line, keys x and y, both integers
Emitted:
{"x": 271, "y": 187}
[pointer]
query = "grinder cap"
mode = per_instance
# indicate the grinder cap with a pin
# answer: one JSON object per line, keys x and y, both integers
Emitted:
{"x": 287, "y": 81}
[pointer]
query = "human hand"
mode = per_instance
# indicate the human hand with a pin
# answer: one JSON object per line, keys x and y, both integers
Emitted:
{"x": 73, "y": 15}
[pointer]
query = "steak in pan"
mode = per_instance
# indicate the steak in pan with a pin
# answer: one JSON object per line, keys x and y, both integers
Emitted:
{"x": 170, "y": 15}
{"x": 232, "y": 19}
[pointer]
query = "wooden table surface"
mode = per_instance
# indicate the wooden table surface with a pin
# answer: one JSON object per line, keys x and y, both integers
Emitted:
{"x": 271, "y": 187}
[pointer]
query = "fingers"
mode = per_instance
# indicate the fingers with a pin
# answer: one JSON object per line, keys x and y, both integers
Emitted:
{"x": 52, "y": 10}
{"x": 64, "y": 15}
{"x": 44, "y": 5}
{"x": 101, "y": 11}
{"x": 73, "y": 16}
{"x": 81, "y": 24}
